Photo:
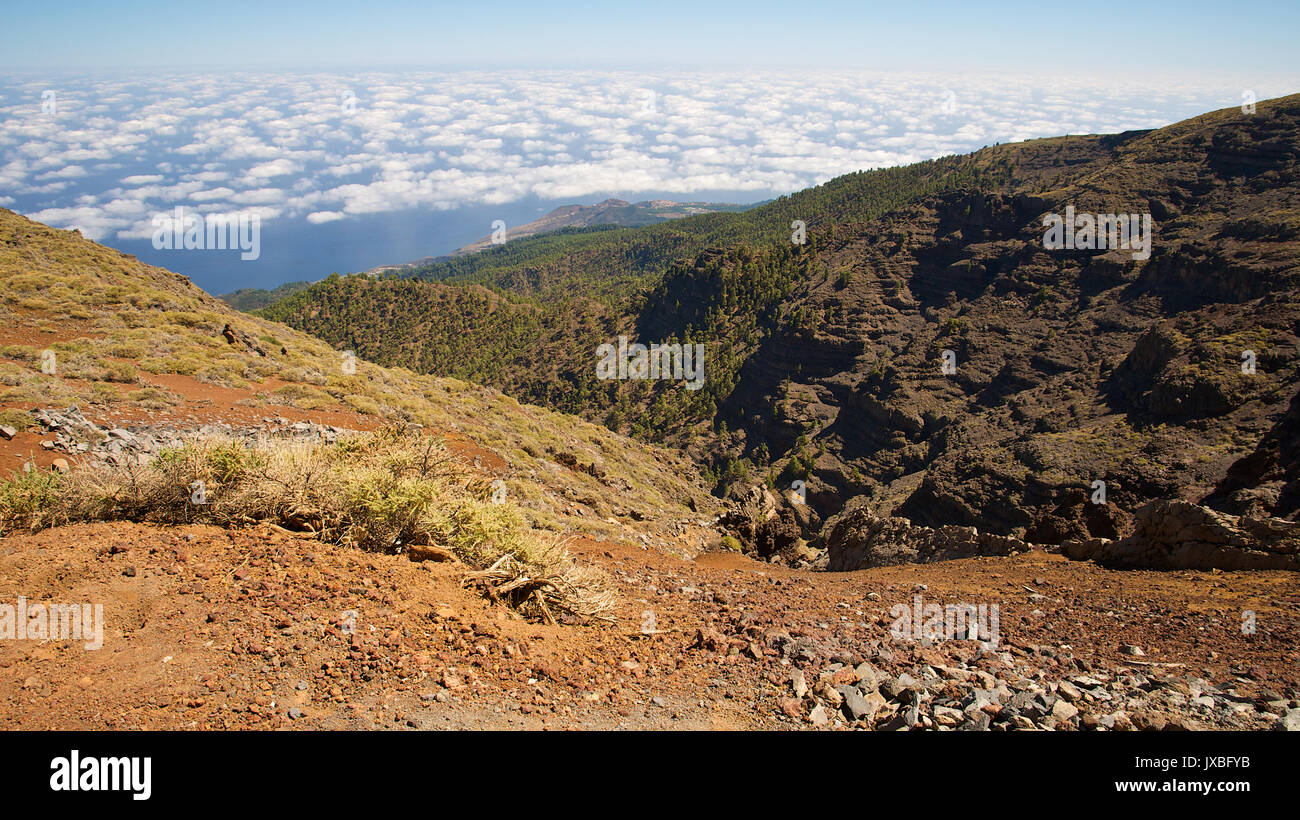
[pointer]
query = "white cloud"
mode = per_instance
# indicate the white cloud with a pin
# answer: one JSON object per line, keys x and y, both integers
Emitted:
{"x": 66, "y": 172}
{"x": 326, "y": 147}
{"x": 275, "y": 168}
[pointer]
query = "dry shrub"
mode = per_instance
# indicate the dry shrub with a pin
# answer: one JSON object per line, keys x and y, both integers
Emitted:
{"x": 384, "y": 491}
{"x": 547, "y": 580}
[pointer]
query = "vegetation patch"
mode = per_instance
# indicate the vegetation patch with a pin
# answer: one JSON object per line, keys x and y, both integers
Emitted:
{"x": 391, "y": 491}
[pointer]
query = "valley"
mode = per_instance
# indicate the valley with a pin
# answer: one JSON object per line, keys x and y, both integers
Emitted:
{"x": 411, "y": 502}
{"x": 827, "y": 359}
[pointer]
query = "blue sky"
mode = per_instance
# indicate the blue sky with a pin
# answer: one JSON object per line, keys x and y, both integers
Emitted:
{"x": 1238, "y": 38}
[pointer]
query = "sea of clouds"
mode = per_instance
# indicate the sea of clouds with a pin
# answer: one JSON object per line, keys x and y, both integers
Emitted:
{"x": 107, "y": 155}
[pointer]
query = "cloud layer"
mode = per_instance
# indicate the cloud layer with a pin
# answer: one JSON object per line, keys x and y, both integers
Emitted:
{"x": 106, "y": 156}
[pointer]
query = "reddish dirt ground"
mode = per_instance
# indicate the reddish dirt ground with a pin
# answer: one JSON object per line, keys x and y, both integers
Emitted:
{"x": 208, "y": 628}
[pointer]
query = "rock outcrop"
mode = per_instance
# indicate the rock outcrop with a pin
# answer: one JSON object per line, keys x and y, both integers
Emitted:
{"x": 1182, "y": 535}
{"x": 74, "y": 434}
{"x": 859, "y": 539}
{"x": 1266, "y": 482}
{"x": 774, "y": 527}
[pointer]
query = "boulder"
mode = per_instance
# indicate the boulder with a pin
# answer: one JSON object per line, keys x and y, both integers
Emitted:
{"x": 860, "y": 539}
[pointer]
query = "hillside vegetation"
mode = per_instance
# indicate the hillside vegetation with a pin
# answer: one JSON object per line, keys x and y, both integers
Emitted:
{"x": 824, "y": 359}
{"x": 251, "y": 299}
{"x": 88, "y": 326}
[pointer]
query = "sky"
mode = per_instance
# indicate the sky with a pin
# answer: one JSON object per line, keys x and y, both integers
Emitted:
{"x": 362, "y": 134}
{"x": 1165, "y": 36}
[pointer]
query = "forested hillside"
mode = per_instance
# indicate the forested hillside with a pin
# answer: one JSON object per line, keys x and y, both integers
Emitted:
{"x": 824, "y": 359}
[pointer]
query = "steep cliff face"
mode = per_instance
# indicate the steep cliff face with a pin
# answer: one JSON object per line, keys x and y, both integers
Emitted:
{"x": 1179, "y": 535}
{"x": 1267, "y": 480}
{"x": 1153, "y": 376}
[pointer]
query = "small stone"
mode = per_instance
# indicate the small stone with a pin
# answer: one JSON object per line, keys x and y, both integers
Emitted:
{"x": 1152, "y": 722}
{"x": 869, "y": 676}
{"x": 1133, "y": 650}
{"x": 1290, "y": 722}
{"x": 947, "y": 716}
{"x": 1063, "y": 711}
{"x": 1069, "y": 691}
{"x": 799, "y": 683}
{"x": 906, "y": 719}
{"x": 7, "y": 432}
{"x": 296, "y": 714}
{"x": 894, "y": 689}
{"x": 976, "y": 722}
{"x": 856, "y": 706}
{"x": 818, "y": 716}
{"x": 828, "y": 693}
{"x": 846, "y": 676}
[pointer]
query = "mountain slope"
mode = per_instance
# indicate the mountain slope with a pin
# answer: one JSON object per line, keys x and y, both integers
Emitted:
{"x": 610, "y": 213}
{"x": 824, "y": 360}
{"x": 251, "y": 299}
{"x": 560, "y": 295}
{"x": 137, "y": 346}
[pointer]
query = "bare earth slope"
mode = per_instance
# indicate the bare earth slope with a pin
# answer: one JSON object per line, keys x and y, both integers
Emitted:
{"x": 249, "y": 629}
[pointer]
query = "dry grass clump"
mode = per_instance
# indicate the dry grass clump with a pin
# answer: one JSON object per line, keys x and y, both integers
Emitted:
{"x": 388, "y": 491}
{"x": 547, "y": 580}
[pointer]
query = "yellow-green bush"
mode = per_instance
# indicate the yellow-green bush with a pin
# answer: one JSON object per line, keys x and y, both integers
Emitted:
{"x": 387, "y": 491}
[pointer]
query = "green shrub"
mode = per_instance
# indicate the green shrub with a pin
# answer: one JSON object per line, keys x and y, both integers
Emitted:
{"x": 30, "y": 500}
